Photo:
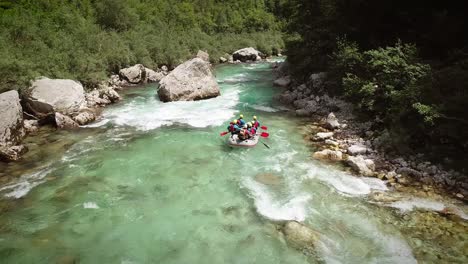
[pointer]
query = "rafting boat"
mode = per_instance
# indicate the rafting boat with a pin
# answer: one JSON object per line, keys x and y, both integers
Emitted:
{"x": 236, "y": 142}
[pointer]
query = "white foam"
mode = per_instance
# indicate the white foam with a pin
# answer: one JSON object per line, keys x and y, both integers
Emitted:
{"x": 151, "y": 113}
{"x": 277, "y": 209}
{"x": 346, "y": 183}
{"x": 426, "y": 204}
{"x": 98, "y": 123}
{"x": 241, "y": 77}
{"x": 90, "y": 205}
{"x": 25, "y": 183}
{"x": 264, "y": 108}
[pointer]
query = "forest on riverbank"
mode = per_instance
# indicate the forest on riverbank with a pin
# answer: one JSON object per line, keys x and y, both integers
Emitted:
{"x": 86, "y": 40}
{"x": 403, "y": 64}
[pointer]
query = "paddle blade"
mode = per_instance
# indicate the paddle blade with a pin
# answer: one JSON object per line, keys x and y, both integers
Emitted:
{"x": 223, "y": 133}
{"x": 264, "y": 127}
{"x": 264, "y": 134}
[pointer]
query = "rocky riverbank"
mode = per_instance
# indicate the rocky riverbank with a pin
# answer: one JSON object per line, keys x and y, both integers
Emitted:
{"x": 340, "y": 137}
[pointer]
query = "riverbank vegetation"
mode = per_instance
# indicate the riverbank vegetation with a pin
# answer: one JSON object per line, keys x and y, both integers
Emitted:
{"x": 403, "y": 64}
{"x": 87, "y": 40}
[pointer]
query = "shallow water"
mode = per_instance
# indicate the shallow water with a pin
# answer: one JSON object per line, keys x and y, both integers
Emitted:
{"x": 153, "y": 182}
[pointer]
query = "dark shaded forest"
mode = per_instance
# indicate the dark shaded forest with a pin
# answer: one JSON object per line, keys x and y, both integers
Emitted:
{"x": 402, "y": 63}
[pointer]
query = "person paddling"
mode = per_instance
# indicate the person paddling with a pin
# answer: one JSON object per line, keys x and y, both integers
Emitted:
{"x": 251, "y": 129}
{"x": 241, "y": 121}
{"x": 255, "y": 122}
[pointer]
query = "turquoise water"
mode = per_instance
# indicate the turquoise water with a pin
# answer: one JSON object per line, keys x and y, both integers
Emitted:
{"x": 155, "y": 183}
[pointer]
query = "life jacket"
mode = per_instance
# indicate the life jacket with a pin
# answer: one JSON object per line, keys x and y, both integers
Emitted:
{"x": 231, "y": 128}
{"x": 253, "y": 131}
{"x": 241, "y": 122}
{"x": 256, "y": 124}
{"x": 236, "y": 128}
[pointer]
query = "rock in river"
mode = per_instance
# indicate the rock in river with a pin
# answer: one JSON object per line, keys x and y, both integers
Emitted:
{"x": 246, "y": 54}
{"x": 47, "y": 96}
{"x": 361, "y": 165}
{"x": 328, "y": 154}
{"x": 11, "y": 118}
{"x": 192, "y": 80}
{"x": 300, "y": 236}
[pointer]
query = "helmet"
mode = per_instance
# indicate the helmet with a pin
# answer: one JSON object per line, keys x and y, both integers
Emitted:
{"x": 235, "y": 121}
{"x": 241, "y": 116}
{"x": 249, "y": 124}
{"x": 245, "y": 126}
{"x": 255, "y": 117}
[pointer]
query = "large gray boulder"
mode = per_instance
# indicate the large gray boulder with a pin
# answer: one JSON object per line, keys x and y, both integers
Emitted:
{"x": 48, "y": 96}
{"x": 133, "y": 75}
{"x": 11, "y": 118}
{"x": 192, "y": 80}
{"x": 154, "y": 76}
{"x": 246, "y": 54}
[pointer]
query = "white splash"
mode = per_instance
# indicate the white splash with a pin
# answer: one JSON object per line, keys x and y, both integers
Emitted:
{"x": 90, "y": 205}
{"x": 150, "y": 113}
{"x": 427, "y": 204}
{"x": 25, "y": 183}
{"x": 346, "y": 183}
{"x": 274, "y": 208}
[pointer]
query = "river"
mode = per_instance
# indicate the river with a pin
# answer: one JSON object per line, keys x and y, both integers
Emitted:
{"x": 154, "y": 182}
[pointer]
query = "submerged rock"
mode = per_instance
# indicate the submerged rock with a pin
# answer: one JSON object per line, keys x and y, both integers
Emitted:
{"x": 12, "y": 153}
{"x": 268, "y": 179}
{"x": 300, "y": 236}
{"x": 246, "y": 54}
{"x": 192, "y": 80}
{"x": 31, "y": 126}
{"x": 47, "y": 96}
{"x": 85, "y": 117}
{"x": 328, "y": 154}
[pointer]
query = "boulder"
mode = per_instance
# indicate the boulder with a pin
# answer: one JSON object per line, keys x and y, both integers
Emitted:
{"x": 153, "y": 76}
{"x": 357, "y": 149}
{"x": 405, "y": 171}
{"x": 192, "y": 80}
{"x": 48, "y": 96}
{"x": 323, "y": 135}
{"x": 283, "y": 81}
{"x": 31, "y": 126}
{"x": 317, "y": 81}
{"x": 84, "y": 118}
{"x": 223, "y": 60}
{"x": 332, "y": 122}
{"x": 11, "y": 118}
{"x": 328, "y": 154}
{"x": 133, "y": 75}
{"x": 203, "y": 55}
{"x": 331, "y": 142}
{"x": 300, "y": 236}
{"x": 12, "y": 153}
{"x": 64, "y": 122}
{"x": 102, "y": 96}
{"x": 164, "y": 68}
{"x": 360, "y": 165}
{"x": 246, "y": 54}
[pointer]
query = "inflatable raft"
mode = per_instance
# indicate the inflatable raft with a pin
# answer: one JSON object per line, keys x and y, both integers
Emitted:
{"x": 236, "y": 142}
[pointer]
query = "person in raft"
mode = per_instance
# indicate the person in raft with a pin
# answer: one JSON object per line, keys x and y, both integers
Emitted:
{"x": 252, "y": 130}
{"x": 244, "y": 133}
{"x": 233, "y": 127}
{"x": 241, "y": 121}
{"x": 255, "y": 122}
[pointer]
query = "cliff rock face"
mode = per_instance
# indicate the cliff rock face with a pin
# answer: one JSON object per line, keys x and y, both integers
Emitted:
{"x": 192, "y": 80}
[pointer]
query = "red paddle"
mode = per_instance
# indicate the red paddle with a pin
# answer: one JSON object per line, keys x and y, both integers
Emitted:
{"x": 264, "y": 127}
{"x": 223, "y": 133}
{"x": 264, "y": 134}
